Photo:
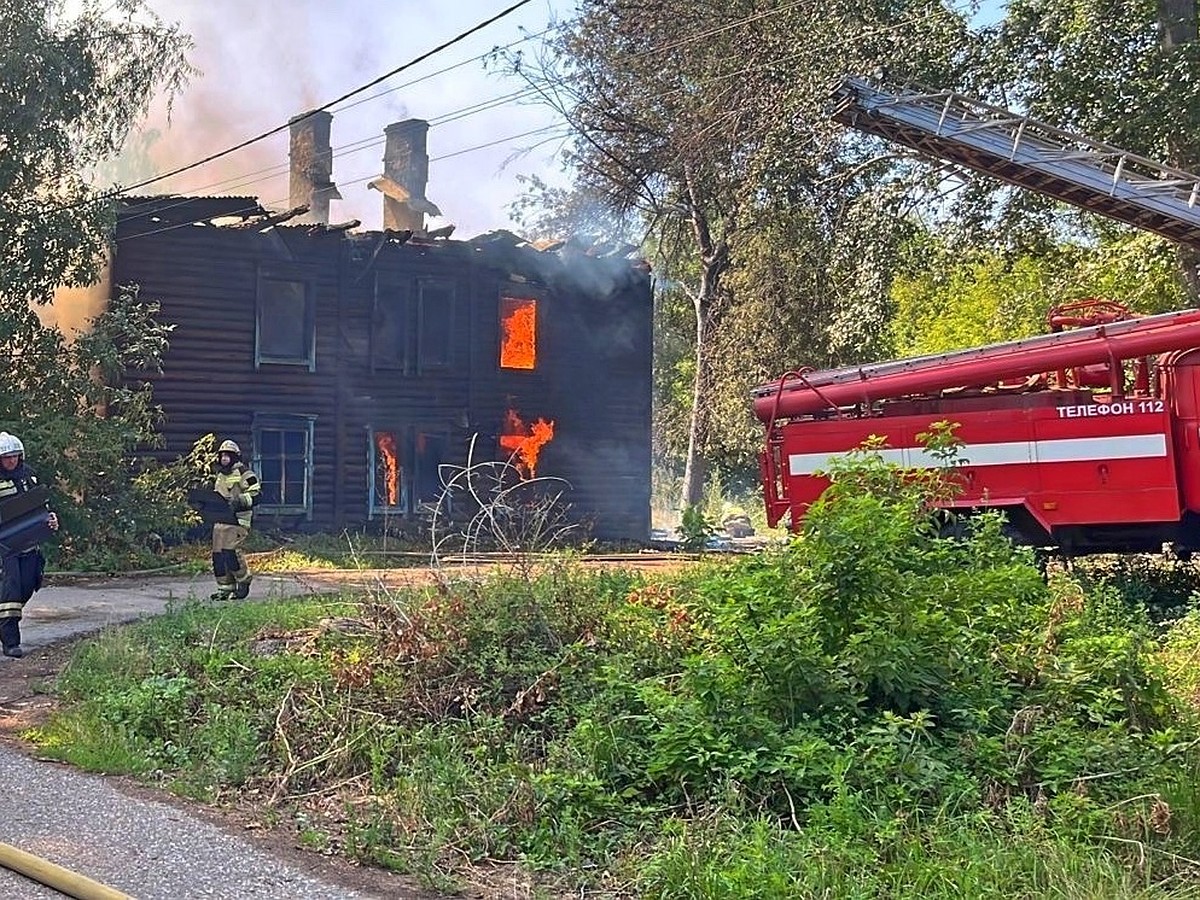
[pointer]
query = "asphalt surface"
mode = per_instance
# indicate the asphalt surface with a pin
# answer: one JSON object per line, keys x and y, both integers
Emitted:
{"x": 134, "y": 845}
{"x": 59, "y": 612}
{"x": 146, "y": 848}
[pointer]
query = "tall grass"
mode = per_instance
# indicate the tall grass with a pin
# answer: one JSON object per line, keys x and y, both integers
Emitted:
{"x": 870, "y": 711}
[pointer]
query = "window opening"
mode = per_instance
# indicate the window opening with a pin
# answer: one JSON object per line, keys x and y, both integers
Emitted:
{"x": 518, "y": 333}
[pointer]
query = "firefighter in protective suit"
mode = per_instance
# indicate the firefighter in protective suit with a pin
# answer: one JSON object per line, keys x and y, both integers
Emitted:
{"x": 20, "y": 573}
{"x": 240, "y": 487}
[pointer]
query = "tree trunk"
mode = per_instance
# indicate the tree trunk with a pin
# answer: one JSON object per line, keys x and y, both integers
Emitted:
{"x": 1176, "y": 29}
{"x": 695, "y": 469}
{"x": 714, "y": 260}
{"x": 1176, "y": 23}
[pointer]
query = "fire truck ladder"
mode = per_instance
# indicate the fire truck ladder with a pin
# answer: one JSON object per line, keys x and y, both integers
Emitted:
{"x": 1030, "y": 154}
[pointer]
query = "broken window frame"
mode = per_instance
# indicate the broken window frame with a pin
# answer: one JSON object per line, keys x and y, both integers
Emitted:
{"x": 412, "y": 470}
{"x": 392, "y": 298}
{"x": 426, "y": 505}
{"x": 445, "y": 359}
{"x": 309, "y": 357}
{"x": 405, "y": 302}
{"x": 378, "y": 507}
{"x": 285, "y": 423}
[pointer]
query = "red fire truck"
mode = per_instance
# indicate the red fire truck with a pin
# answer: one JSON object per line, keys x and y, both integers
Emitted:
{"x": 1087, "y": 437}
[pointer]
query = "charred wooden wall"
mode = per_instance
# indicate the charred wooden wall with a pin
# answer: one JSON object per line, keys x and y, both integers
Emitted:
{"x": 375, "y": 302}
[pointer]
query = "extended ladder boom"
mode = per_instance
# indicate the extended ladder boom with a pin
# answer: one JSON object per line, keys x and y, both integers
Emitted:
{"x": 1029, "y": 154}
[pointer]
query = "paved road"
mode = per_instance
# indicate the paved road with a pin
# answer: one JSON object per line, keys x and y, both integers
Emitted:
{"x": 141, "y": 847}
{"x": 70, "y": 609}
{"x": 146, "y": 848}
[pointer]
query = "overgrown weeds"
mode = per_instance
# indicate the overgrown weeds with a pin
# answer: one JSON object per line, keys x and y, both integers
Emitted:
{"x": 871, "y": 710}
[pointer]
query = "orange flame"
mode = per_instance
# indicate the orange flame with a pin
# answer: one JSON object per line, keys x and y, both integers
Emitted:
{"x": 518, "y": 326}
{"x": 524, "y": 443}
{"x": 385, "y": 446}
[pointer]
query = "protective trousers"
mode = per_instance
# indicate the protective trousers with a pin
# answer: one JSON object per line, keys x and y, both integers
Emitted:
{"x": 20, "y": 576}
{"x": 228, "y": 562}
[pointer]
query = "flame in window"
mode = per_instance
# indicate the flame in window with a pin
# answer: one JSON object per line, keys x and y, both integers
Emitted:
{"x": 518, "y": 333}
{"x": 524, "y": 442}
{"x": 387, "y": 464}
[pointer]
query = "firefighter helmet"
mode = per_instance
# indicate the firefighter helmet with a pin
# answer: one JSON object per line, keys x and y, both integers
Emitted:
{"x": 229, "y": 447}
{"x": 10, "y": 444}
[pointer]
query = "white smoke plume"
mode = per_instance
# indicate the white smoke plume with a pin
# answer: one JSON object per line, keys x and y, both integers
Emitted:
{"x": 262, "y": 63}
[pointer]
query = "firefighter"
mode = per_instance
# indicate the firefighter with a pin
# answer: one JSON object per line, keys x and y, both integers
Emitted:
{"x": 240, "y": 487}
{"x": 20, "y": 573}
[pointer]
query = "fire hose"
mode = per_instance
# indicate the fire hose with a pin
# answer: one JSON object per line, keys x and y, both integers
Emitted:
{"x": 56, "y": 877}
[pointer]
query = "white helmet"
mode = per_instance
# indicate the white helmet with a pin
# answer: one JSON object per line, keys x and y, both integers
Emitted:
{"x": 10, "y": 444}
{"x": 230, "y": 447}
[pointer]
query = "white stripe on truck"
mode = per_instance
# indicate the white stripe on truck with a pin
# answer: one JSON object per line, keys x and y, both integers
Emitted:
{"x": 1124, "y": 446}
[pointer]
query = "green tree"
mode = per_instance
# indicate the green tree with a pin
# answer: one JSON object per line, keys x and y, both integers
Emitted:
{"x": 950, "y": 299}
{"x": 682, "y": 130}
{"x": 1119, "y": 71}
{"x": 71, "y": 87}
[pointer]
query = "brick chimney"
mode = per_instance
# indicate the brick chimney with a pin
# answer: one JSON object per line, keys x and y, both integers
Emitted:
{"x": 311, "y": 158}
{"x": 406, "y": 163}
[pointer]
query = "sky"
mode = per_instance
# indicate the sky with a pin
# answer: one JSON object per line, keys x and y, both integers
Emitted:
{"x": 263, "y": 61}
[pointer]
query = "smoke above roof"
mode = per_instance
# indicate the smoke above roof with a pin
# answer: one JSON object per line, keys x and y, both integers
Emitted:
{"x": 261, "y": 64}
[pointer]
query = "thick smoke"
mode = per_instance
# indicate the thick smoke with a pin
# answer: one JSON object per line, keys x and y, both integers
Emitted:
{"x": 262, "y": 63}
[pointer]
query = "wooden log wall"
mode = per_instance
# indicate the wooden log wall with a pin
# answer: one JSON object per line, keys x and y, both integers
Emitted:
{"x": 592, "y": 379}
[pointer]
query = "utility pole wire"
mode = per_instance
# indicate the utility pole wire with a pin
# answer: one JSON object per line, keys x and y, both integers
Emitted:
{"x": 358, "y": 180}
{"x": 277, "y": 129}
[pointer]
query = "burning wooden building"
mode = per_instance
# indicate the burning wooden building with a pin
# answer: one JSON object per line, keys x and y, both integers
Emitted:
{"x": 356, "y": 366}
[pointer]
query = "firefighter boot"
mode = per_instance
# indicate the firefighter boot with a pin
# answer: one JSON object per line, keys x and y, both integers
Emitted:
{"x": 224, "y": 575}
{"x": 10, "y": 637}
{"x": 242, "y": 591}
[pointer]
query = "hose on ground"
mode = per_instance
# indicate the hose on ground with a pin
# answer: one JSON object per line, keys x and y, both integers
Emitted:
{"x": 54, "y": 876}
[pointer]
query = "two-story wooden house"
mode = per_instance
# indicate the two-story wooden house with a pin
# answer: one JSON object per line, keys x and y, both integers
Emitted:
{"x": 353, "y": 366}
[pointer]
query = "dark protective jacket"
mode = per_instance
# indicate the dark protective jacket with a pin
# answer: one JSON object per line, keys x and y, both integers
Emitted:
{"x": 18, "y": 481}
{"x": 20, "y": 574}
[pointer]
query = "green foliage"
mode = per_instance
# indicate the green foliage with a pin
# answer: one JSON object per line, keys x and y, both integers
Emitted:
{"x": 951, "y": 300}
{"x": 1163, "y": 588}
{"x": 695, "y": 529}
{"x": 1118, "y": 71}
{"x": 853, "y": 851}
{"x": 75, "y": 83}
{"x": 742, "y": 188}
{"x": 869, "y": 710}
{"x": 1180, "y": 655}
{"x": 56, "y": 390}
{"x": 806, "y": 291}
{"x": 1100, "y": 67}
{"x": 161, "y": 696}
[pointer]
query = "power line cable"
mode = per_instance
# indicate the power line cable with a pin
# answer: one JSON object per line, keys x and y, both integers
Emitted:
{"x": 414, "y": 81}
{"x": 273, "y": 131}
{"x": 681, "y": 42}
{"x": 505, "y": 140}
{"x": 359, "y": 180}
{"x": 458, "y": 65}
{"x": 268, "y": 173}
{"x": 448, "y": 117}
{"x": 503, "y": 99}
{"x": 391, "y": 90}
{"x": 484, "y": 105}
